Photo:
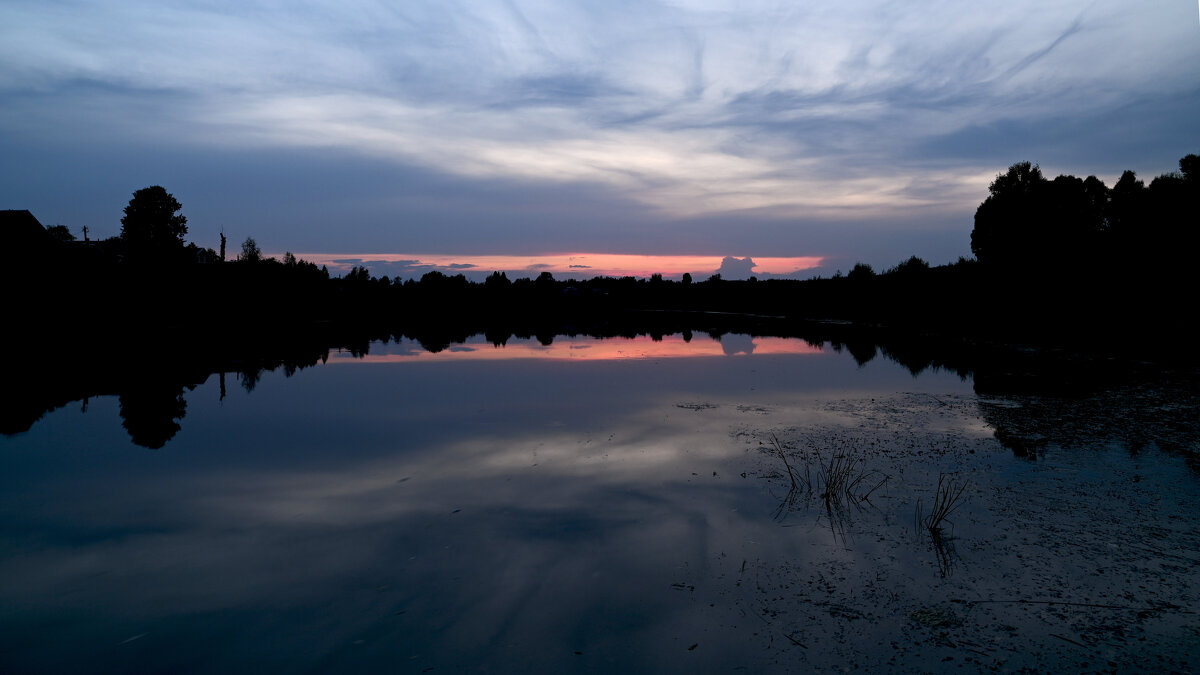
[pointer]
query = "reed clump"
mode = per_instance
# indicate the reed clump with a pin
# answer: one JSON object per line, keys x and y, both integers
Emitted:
{"x": 840, "y": 480}
{"x": 946, "y": 498}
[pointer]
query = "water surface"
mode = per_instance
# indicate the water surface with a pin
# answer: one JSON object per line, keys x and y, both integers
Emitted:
{"x": 592, "y": 505}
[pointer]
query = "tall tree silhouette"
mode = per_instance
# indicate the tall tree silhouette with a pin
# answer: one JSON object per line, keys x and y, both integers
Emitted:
{"x": 1171, "y": 233}
{"x": 1038, "y": 225}
{"x": 1072, "y": 213}
{"x": 1126, "y": 209}
{"x": 1003, "y": 221}
{"x": 1189, "y": 167}
{"x": 151, "y": 225}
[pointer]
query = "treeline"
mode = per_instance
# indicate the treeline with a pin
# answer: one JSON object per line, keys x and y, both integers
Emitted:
{"x": 1066, "y": 259}
{"x": 148, "y": 280}
{"x": 861, "y": 294}
{"x": 1073, "y": 257}
{"x": 1072, "y": 226}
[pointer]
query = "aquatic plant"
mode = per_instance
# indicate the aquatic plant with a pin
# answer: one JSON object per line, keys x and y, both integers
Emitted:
{"x": 947, "y": 497}
{"x": 839, "y": 481}
{"x": 798, "y": 481}
{"x": 844, "y": 481}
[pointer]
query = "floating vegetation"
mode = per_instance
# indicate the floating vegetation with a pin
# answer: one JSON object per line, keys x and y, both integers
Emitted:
{"x": 696, "y": 406}
{"x": 935, "y": 617}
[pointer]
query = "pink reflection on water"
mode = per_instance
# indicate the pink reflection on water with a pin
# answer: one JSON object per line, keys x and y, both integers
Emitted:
{"x": 565, "y": 348}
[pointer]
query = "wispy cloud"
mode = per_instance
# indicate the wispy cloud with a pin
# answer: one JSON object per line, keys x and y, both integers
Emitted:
{"x": 812, "y": 111}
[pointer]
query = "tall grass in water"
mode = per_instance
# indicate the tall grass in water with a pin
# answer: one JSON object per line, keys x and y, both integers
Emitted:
{"x": 800, "y": 482}
{"x": 838, "y": 482}
{"x": 946, "y": 498}
{"x": 843, "y": 480}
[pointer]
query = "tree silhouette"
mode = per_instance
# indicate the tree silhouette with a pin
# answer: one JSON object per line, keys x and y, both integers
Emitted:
{"x": 1005, "y": 221}
{"x": 861, "y": 271}
{"x": 251, "y": 253}
{"x": 151, "y": 225}
{"x": 1189, "y": 166}
{"x": 151, "y": 413}
{"x": 913, "y": 265}
{"x": 1037, "y": 225}
{"x": 1126, "y": 205}
{"x": 1072, "y": 215}
{"x": 60, "y": 232}
{"x": 1170, "y": 232}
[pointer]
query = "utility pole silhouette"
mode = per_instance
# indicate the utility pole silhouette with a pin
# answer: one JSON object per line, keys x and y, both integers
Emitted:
{"x": 222, "y": 246}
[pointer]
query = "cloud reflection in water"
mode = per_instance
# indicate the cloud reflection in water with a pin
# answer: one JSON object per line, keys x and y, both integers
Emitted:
{"x": 435, "y": 510}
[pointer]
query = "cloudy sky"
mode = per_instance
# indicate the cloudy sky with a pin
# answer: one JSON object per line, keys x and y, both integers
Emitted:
{"x": 515, "y": 132}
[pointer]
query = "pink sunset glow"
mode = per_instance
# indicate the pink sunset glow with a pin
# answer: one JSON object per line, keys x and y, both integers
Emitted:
{"x": 561, "y": 265}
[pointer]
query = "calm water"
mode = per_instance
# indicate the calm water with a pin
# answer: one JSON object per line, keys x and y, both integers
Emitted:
{"x": 584, "y": 506}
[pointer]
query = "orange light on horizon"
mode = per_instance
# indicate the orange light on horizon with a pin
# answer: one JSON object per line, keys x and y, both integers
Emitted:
{"x": 567, "y": 265}
{"x": 565, "y": 348}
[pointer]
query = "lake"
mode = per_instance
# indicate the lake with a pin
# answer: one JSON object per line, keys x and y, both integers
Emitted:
{"x": 729, "y": 504}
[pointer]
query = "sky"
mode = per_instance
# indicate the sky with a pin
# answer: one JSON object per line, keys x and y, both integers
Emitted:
{"x": 746, "y": 137}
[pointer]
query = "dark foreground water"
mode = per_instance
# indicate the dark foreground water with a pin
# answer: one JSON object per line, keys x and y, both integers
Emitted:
{"x": 601, "y": 506}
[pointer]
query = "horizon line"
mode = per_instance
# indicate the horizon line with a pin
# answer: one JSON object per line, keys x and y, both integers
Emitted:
{"x": 575, "y": 263}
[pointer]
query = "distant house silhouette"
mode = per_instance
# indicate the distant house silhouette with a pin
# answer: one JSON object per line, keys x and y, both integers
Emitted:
{"x": 20, "y": 231}
{"x": 29, "y": 244}
{"x": 204, "y": 256}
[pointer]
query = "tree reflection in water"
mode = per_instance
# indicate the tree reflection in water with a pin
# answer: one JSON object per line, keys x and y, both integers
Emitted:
{"x": 151, "y": 413}
{"x": 1044, "y": 383}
